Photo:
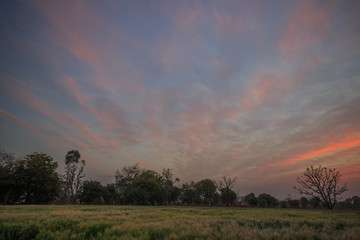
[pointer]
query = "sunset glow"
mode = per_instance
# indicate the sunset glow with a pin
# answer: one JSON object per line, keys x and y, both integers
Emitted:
{"x": 254, "y": 89}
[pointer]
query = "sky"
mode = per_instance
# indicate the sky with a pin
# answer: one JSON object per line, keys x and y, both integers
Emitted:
{"x": 258, "y": 90}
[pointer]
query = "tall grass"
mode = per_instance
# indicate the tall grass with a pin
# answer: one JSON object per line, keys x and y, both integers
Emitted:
{"x": 134, "y": 222}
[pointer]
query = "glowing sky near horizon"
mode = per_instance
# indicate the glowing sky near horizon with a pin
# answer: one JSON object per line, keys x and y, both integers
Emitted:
{"x": 254, "y": 89}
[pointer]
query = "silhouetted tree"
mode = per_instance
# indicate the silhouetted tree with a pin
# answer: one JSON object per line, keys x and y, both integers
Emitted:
{"x": 228, "y": 196}
{"x": 304, "y": 202}
{"x": 74, "y": 173}
{"x": 224, "y": 187}
{"x": 262, "y": 203}
{"x": 167, "y": 185}
{"x": 147, "y": 189}
{"x": 251, "y": 199}
{"x": 124, "y": 181}
{"x": 294, "y": 203}
{"x": 283, "y": 204}
{"x": 111, "y": 195}
{"x": 37, "y": 178}
{"x": 207, "y": 190}
{"x": 189, "y": 193}
{"x": 315, "y": 202}
{"x": 91, "y": 192}
{"x": 356, "y": 201}
{"x": 9, "y": 189}
{"x": 321, "y": 183}
{"x": 269, "y": 200}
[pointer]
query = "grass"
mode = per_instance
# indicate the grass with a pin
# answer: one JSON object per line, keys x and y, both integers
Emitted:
{"x": 142, "y": 222}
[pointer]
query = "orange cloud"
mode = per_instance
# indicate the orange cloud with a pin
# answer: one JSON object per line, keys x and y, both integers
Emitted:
{"x": 306, "y": 27}
{"x": 351, "y": 173}
{"x": 346, "y": 143}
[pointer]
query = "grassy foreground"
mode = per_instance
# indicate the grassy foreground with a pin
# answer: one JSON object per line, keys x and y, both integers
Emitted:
{"x": 134, "y": 222}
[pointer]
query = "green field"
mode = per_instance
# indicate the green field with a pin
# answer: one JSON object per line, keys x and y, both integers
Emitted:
{"x": 141, "y": 222}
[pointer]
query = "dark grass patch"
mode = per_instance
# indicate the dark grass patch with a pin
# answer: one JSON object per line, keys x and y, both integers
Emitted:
{"x": 18, "y": 232}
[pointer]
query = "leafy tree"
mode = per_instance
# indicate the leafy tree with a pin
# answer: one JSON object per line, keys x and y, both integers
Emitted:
{"x": 91, "y": 192}
{"x": 270, "y": 201}
{"x": 147, "y": 189}
{"x": 356, "y": 201}
{"x": 167, "y": 185}
{"x": 207, "y": 190}
{"x": 283, "y": 204}
{"x": 321, "y": 183}
{"x": 262, "y": 203}
{"x": 74, "y": 173}
{"x": 293, "y": 203}
{"x": 124, "y": 181}
{"x": 36, "y": 174}
{"x": 224, "y": 187}
{"x": 304, "y": 202}
{"x": 315, "y": 202}
{"x": 190, "y": 194}
{"x": 9, "y": 189}
{"x": 175, "y": 193}
{"x": 228, "y": 196}
{"x": 251, "y": 199}
{"x": 111, "y": 195}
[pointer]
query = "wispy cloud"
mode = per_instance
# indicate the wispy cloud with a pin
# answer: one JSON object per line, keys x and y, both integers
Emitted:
{"x": 17, "y": 120}
{"x": 306, "y": 26}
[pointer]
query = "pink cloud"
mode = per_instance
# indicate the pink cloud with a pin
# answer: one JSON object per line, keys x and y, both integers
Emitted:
{"x": 81, "y": 31}
{"x": 17, "y": 120}
{"x": 263, "y": 88}
{"x": 72, "y": 87}
{"x": 70, "y": 125}
{"x": 185, "y": 17}
{"x": 305, "y": 27}
{"x": 268, "y": 86}
{"x": 111, "y": 118}
{"x": 226, "y": 23}
{"x": 23, "y": 93}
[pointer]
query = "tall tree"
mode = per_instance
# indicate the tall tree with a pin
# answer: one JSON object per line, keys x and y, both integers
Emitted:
{"x": 74, "y": 173}
{"x": 321, "y": 183}
{"x": 167, "y": 184}
{"x": 224, "y": 187}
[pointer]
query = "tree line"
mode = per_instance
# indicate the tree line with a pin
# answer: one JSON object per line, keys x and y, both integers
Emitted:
{"x": 33, "y": 179}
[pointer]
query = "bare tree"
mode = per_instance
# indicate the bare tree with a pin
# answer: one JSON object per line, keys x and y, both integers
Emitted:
{"x": 321, "y": 183}
{"x": 224, "y": 188}
{"x": 74, "y": 173}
